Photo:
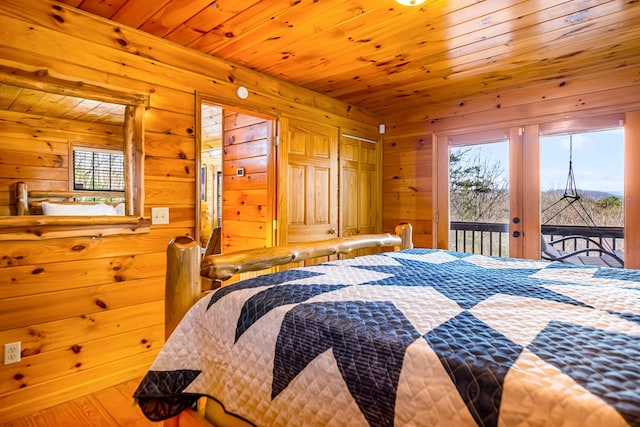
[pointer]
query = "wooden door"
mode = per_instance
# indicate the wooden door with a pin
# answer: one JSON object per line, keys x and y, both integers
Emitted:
{"x": 308, "y": 181}
{"x": 523, "y": 220}
{"x": 359, "y": 187}
{"x": 524, "y": 206}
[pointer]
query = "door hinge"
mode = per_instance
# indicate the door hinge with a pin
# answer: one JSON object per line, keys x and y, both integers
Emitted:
{"x": 276, "y": 140}
{"x": 275, "y": 224}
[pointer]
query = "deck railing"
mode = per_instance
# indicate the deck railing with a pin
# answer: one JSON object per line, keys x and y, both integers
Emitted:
{"x": 479, "y": 238}
{"x": 493, "y": 238}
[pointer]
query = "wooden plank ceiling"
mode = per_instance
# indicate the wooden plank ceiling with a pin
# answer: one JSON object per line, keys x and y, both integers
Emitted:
{"x": 384, "y": 57}
{"x": 39, "y": 103}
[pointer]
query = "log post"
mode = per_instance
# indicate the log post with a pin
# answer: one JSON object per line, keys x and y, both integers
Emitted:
{"x": 134, "y": 159}
{"x": 22, "y": 199}
{"x": 182, "y": 287}
{"x": 405, "y": 231}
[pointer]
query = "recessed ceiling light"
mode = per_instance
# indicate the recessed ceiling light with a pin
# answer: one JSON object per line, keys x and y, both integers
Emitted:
{"x": 410, "y": 2}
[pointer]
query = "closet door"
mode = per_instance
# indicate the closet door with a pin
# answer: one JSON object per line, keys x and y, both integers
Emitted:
{"x": 359, "y": 187}
{"x": 308, "y": 180}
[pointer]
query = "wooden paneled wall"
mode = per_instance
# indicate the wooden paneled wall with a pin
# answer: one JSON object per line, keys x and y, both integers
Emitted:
{"x": 407, "y": 194}
{"x": 248, "y": 205}
{"x": 89, "y": 311}
{"x": 408, "y": 155}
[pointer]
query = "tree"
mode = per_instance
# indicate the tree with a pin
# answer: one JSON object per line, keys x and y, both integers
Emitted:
{"x": 477, "y": 187}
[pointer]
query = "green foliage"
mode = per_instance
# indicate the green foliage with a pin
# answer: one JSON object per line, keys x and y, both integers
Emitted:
{"x": 610, "y": 202}
{"x": 477, "y": 188}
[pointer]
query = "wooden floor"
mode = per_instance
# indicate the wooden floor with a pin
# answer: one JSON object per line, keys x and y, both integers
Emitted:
{"x": 110, "y": 407}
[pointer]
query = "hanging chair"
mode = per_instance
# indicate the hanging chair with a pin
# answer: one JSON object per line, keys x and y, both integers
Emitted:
{"x": 570, "y": 197}
{"x": 605, "y": 256}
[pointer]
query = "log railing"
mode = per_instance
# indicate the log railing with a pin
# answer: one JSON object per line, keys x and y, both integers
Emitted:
{"x": 185, "y": 266}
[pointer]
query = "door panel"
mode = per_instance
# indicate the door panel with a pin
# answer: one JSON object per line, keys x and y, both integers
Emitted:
{"x": 309, "y": 167}
{"x": 359, "y": 179}
{"x": 297, "y": 200}
{"x": 320, "y": 197}
{"x": 367, "y": 190}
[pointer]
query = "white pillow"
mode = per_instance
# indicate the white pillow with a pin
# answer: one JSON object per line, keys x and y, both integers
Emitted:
{"x": 120, "y": 209}
{"x": 77, "y": 209}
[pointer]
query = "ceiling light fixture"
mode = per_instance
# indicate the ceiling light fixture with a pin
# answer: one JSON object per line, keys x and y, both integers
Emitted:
{"x": 410, "y": 2}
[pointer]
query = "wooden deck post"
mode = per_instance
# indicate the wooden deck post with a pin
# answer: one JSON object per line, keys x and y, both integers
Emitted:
{"x": 182, "y": 288}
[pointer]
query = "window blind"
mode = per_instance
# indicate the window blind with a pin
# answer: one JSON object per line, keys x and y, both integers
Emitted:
{"x": 98, "y": 170}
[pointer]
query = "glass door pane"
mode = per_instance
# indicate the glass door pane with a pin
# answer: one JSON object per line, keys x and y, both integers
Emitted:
{"x": 582, "y": 185}
{"x": 479, "y": 198}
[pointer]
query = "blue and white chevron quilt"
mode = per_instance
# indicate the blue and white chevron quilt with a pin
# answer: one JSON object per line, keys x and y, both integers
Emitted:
{"x": 411, "y": 338}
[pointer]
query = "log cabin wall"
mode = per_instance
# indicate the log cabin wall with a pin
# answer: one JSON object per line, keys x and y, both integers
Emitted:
{"x": 409, "y": 144}
{"x": 89, "y": 311}
{"x": 248, "y": 209}
{"x": 407, "y": 183}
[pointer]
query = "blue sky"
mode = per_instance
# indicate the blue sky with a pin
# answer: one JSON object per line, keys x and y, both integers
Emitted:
{"x": 597, "y": 160}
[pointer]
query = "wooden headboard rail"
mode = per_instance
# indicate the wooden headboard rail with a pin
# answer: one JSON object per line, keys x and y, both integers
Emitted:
{"x": 224, "y": 266}
{"x": 185, "y": 266}
{"x": 25, "y": 198}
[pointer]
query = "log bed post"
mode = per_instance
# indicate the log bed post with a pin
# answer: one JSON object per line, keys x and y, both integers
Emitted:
{"x": 182, "y": 287}
{"x": 405, "y": 231}
{"x": 22, "y": 199}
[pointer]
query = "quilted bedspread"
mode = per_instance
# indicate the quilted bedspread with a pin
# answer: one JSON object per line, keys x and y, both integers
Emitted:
{"x": 411, "y": 338}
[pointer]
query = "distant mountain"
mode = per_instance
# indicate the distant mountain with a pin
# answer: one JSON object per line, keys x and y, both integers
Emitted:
{"x": 587, "y": 194}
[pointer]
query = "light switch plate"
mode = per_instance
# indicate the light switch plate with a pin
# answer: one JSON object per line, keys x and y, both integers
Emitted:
{"x": 159, "y": 215}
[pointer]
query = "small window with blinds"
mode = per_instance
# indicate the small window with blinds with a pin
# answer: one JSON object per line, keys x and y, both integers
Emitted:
{"x": 98, "y": 170}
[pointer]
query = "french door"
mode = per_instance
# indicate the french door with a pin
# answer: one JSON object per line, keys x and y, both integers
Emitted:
{"x": 518, "y": 147}
{"x": 524, "y": 190}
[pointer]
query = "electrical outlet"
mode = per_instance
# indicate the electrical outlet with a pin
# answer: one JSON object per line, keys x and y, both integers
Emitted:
{"x": 11, "y": 353}
{"x": 159, "y": 215}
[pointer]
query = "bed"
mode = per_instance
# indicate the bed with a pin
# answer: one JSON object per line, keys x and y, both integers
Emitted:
{"x": 406, "y": 338}
{"x": 68, "y": 203}
{"x": 39, "y": 215}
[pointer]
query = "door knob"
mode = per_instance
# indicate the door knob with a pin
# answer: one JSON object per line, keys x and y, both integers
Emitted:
{"x": 516, "y": 234}
{"x": 332, "y": 230}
